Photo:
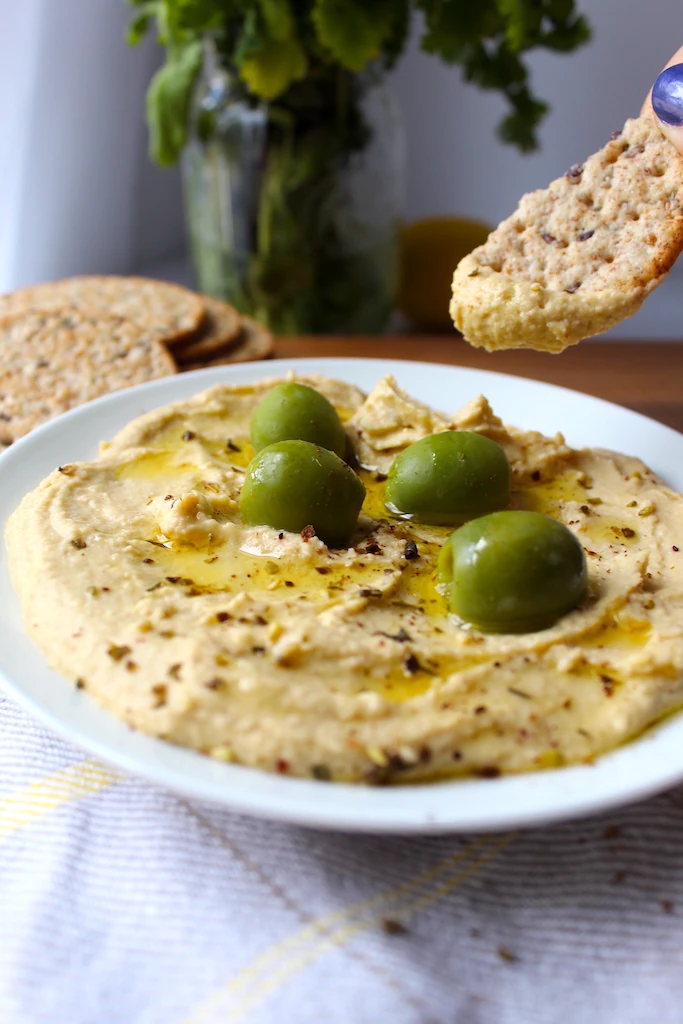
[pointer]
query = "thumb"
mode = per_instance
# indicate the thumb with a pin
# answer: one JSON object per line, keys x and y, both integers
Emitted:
{"x": 666, "y": 100}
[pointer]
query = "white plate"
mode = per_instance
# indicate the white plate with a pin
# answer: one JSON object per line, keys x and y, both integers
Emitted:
{"x": 635, "y": 771}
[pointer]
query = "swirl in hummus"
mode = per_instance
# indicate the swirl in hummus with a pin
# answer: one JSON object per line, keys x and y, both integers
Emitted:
{"x": 253, "y": 645}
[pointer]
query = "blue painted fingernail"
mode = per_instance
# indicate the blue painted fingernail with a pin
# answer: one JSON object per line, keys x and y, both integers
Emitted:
{"x": 667, "y": 96}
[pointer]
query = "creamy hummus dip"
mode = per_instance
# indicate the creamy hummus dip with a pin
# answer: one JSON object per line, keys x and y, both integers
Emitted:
{"x": 140, "y": 583}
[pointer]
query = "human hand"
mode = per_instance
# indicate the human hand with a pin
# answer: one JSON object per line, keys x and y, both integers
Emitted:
{"x": 666, "y": 100}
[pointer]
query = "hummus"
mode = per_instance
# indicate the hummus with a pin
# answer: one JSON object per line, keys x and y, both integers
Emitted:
{"x": 140, "y": 584}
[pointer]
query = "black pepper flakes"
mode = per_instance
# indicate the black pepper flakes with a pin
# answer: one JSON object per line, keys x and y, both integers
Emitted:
{"x": 215, "y": 684}
{"x": 80, "y": 684}
{"x": 628, "y": 532}
{"x": 393, "y": 927}
{"x": 583, "y": 236}
{"x": 536, "y": 475}
{"x": 574, "y": 172}
{"x": 411, "y": 664}
{"x": 373, "y": 548}
{"x": 401, "y": 637}
{"x": 322, "y": 569}
{"x": 607, "y": 685}
{"x": 369, "y": 592}
{"x": 674, "y": 548}
{"x": 411, "y": 552}
{"x": 321, "y": 772}
{"x": 488, "y": 772}
{"x": 549, "y": 239}
{"x": 381, "y": 477}
{"x": 189, "y": 435}
{"x": 232, "y": 446}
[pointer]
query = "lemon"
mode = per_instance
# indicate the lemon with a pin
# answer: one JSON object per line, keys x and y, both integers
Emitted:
{"x": 430, "y": 251}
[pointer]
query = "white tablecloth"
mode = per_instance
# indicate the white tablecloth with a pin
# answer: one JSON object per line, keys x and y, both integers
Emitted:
{"x": 121, "y": 903}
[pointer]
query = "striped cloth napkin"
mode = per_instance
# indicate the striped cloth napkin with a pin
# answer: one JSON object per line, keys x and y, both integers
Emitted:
{"x": 121, "y": 903}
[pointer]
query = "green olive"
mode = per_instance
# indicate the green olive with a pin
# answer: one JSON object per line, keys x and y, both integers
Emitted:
{"x": 294, "y": 411}
{"x": 294, "y": 484}
{"x": 512, "y": 572}
{"x": 449, "y": 478}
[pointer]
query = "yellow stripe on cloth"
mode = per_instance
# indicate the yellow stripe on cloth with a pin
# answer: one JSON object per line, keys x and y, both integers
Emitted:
{"x": 337, "y": 928}
{"x": 33, "y": 802}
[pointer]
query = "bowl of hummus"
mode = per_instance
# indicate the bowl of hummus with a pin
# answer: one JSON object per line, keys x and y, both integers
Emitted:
{"x": 263, "y": 657}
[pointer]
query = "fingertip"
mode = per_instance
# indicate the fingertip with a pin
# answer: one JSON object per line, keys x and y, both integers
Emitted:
{"x": 673, "y": 134}
{"x": 666, "y": 99}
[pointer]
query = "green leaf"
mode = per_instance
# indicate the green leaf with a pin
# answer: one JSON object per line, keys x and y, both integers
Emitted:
{"x": 451, "y": 25}
{"x": 567, "y": 37}
{"x": 522, "y": 22}
{"x": 250, "y": 37}
{"x": 168, "y": 103}
{"x": 277, "y": 17}
{"x": 395, "y": 42}
{"x": 274, "y": 67}
{"x": 141, "y": 21}
{"x": 519, "y": 127}
{"x": 353, "y": 31}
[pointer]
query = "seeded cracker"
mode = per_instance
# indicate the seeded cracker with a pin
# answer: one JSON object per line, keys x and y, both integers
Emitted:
{"x": 54, "y": 360}
{"x": 255, "y": 342}
{"x": 580, "y": 256}
{"x": 167, "y": 311}
{"x": 219, "y": 334}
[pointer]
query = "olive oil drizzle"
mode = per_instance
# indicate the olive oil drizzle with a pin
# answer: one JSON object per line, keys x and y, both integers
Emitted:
{"x": 179, "y": 452}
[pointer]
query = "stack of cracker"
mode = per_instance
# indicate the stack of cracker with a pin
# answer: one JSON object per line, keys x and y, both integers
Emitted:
{"x": 66, "y": 342}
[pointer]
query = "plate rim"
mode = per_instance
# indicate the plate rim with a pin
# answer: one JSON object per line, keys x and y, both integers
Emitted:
{"x": 293, "y": 800}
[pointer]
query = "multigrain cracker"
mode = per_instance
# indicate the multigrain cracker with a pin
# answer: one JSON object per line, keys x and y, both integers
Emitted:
{"x": 219, "y": 333}
{"x": 580, "y": 256}
{"x": 255, "y": 342}
{"x": 167, "y": 311}
{"x": 54, "y": 360}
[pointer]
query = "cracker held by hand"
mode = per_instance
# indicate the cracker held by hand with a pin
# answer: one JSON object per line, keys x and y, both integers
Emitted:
{"x": 54, "y": 360}
{"x": 580, "y": 256}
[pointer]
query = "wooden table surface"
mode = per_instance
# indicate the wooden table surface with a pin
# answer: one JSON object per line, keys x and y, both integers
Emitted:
{"x": 645, "y": 376}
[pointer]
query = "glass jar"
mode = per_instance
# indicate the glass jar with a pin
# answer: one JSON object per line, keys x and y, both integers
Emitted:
{"x": 294, "y": 207}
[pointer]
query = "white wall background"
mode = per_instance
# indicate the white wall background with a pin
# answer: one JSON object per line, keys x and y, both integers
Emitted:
{"x": 77, "y": 192}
